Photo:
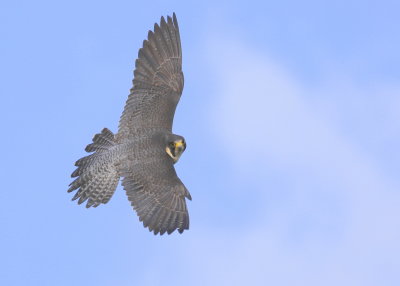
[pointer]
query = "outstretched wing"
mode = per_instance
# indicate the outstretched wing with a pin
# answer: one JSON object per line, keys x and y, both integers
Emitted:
{"x": 157, "y": 194}
{"x": 158, "y": 81}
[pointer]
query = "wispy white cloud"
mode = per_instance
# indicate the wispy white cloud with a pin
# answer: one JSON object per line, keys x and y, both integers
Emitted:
{"x": 342, "y": 201}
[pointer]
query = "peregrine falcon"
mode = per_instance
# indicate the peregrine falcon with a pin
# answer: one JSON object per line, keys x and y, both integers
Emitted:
{"x": 144, "y": 150}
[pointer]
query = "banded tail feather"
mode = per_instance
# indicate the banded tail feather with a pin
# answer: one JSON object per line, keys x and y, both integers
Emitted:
{"x": 97, "y": 175}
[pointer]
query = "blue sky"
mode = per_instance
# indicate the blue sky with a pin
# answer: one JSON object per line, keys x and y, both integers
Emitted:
{"x": 291, "y": 111}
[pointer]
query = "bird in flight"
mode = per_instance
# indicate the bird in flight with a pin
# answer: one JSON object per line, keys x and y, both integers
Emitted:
{"x": 144, "y": 150}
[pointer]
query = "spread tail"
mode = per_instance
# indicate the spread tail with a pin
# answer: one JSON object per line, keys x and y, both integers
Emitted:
{"x": 97, "y": 176}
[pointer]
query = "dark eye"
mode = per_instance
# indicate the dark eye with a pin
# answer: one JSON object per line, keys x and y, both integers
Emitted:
{"x": 172, "y": 144}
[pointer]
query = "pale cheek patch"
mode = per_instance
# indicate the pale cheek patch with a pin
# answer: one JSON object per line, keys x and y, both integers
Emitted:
{"x": 170, "y": 154}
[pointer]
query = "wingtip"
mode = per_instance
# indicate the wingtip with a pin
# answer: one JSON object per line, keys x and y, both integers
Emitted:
{"x": 162, "y": 20}
{"x": 157, "y": 231}
{"x": 169, "y": 19}
{"x": 175, "y": 20}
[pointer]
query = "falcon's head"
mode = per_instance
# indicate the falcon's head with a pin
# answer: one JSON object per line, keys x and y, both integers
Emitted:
{"x": 175, "y": 147}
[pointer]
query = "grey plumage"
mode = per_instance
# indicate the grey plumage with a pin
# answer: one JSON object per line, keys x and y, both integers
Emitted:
{"x": 144, "y": 150}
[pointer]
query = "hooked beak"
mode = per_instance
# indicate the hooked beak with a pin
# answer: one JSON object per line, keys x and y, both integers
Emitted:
{"x": 175, "y": 149}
